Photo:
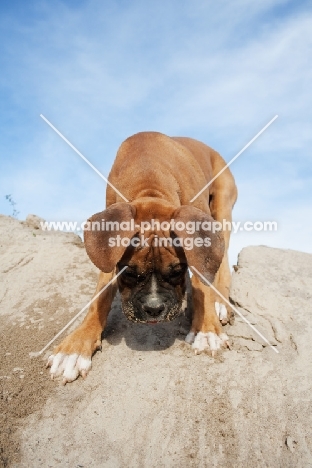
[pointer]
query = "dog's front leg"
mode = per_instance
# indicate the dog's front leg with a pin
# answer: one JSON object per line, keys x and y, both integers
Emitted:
{"x": 206, "y": 330}
{"x": 73, "y": 356}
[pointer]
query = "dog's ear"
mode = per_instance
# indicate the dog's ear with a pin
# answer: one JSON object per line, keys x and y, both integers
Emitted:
{"x": 101, "y": 232}
{"x": 207, "y": 249}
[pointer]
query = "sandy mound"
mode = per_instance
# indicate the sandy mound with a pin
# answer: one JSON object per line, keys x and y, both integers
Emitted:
{"x": 148, "y": 401}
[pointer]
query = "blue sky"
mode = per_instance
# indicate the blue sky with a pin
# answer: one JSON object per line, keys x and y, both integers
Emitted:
{"x": 103, "y": 70}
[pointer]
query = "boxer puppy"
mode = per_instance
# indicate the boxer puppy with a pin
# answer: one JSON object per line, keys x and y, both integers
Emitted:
{"x": 152, "y": 239}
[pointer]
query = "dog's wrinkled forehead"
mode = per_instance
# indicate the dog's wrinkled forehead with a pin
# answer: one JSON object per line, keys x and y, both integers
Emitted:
{"x": 149, "y": 256}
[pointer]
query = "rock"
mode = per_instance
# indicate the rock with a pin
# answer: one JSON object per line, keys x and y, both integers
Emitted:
{"x": 275, "y": 286}
{"x": 34, "y": 221}
{"x": 44, "y": 279}
{"x": 148, "y": 401}
{"x": 290, "y": 443}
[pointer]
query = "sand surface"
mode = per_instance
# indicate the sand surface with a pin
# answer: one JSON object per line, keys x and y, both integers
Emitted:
{"x": 148, "y": 401}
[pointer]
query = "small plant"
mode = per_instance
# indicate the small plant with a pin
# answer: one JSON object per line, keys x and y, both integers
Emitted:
{"x": 13, "y": 204}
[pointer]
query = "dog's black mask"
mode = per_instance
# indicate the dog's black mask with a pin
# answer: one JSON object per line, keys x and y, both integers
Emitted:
{"x": 152, "y": 296}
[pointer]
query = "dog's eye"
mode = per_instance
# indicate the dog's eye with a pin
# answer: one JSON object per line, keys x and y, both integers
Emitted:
{"x": 131, "y": 275}
{"x": 178, "y": 269}
{"x": 177, "y": 273}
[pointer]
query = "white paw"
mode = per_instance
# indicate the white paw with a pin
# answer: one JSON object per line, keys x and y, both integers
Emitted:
{"x": 209, "y": 340}
{"x": 221, "y": 311}
{"x": 68, "y": 365}
{"x": 190, "y": 337}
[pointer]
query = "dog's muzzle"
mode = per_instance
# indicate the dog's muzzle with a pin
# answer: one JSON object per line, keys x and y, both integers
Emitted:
{"x": 152, "y": 308}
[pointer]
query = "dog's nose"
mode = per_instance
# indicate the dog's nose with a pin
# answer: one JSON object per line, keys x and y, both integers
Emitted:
{"x": 154, "y": 310}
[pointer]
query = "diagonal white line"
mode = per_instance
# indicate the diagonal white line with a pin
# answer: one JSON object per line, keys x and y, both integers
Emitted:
{"x": 236, "y": 310}
{"x": 77, "y": 315}
{"x": 235, "y": 157}
{"x": 83, "y": 157}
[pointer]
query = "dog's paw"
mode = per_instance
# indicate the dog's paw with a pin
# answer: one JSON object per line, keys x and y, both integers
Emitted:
{"x": 210, "y": 341}
{"x": 224, "y": 316}
{"x": 73, "y": 356}
{"x": 70, "y": 366}
{"x": 190, "y": 337}
{"x": 221, "y": 311}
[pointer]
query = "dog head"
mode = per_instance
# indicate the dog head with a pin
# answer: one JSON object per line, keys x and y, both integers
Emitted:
{"x": 154, "y": 253}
